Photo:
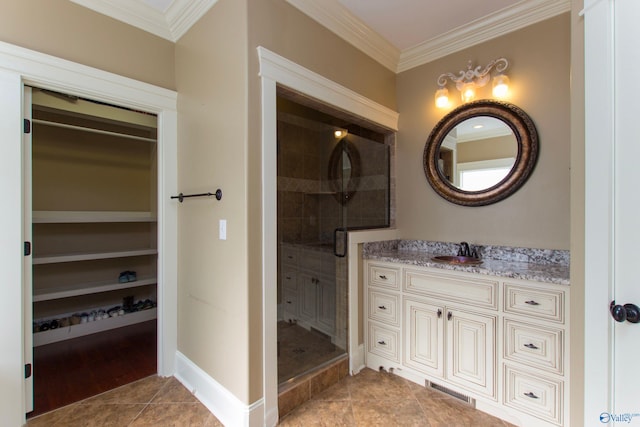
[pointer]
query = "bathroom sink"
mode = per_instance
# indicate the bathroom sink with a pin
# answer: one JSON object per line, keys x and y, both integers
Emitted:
{"x": 459, "y": 260}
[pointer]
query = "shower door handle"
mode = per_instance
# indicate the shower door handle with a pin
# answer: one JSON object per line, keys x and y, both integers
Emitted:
{"x": 340, "y": 244}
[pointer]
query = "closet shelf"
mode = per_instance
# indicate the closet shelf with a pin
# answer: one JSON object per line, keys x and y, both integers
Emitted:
{"x": 54, "y": 259}
{"x": 75, "y": 331}
{"x": 92, "y": 130}
{"x": 87, "y": 289}
{"x": 65, "y": 217}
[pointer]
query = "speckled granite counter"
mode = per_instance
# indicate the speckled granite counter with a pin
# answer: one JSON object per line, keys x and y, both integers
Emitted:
{"x": 541, "y": 265}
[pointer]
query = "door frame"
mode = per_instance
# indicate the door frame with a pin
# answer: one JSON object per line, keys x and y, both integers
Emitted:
{"x": 19, "y": 67}
{"x": 277, "y": 70}
{"x": 599, "y": 206}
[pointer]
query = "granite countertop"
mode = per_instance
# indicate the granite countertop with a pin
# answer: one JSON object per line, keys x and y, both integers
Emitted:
{"x": 556, "y": 273}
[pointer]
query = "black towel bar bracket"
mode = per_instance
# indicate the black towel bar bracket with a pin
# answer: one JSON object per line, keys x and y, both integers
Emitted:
{"x": 181, "y": 196}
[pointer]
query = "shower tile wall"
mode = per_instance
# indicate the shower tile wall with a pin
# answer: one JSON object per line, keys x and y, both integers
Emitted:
{"x": 307, "y": 212}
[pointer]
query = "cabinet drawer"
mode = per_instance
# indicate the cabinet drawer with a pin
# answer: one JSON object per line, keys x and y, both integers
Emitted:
{"x": 534, "y": 346}
{"x": 386, "y": 277}
{"x": 289, "y": 255}
{"x": 384, "y": 308}
{"x": 289, "y": 279}
{"x": 479, "y": 292}
{"x": 539, "y": 303}
{"x": 384, "y": 341}
{"x": 535, "y": 395}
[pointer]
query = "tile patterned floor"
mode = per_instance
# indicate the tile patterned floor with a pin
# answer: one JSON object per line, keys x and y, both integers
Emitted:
{"x": 378, "y": 399}
{"x": 302, "y": 350}
{"x": 366, "y": 400}
{"x": 152, "y": 401}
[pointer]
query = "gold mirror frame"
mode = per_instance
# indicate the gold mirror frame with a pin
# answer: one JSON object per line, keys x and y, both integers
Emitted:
{"x": 526, "y": 137}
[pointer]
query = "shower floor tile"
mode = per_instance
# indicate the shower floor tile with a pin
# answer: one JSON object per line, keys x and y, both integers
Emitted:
{"x": 301, "y": 350}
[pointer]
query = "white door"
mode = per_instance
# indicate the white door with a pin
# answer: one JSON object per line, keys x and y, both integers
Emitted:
{"x": 612, "y": 239}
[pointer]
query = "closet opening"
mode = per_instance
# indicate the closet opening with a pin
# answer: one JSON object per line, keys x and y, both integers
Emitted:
{"x": 90, "y": 203}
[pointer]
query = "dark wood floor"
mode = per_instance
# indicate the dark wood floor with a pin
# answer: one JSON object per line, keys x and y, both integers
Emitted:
{"x": 72, "y": 370}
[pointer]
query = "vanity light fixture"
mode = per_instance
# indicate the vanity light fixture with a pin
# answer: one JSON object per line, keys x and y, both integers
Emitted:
{"x": 473, "y": 78}
{"x": 340, "y": 133}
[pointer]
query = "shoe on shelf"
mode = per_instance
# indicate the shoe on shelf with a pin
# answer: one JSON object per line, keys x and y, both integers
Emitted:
{"x": 131, "y": 276}
{"x": 124, "y": 277}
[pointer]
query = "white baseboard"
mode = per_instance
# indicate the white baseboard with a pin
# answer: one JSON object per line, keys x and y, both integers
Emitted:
{"x": 220, "y": 401}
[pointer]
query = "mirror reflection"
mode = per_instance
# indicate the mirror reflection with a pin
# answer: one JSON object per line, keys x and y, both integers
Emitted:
{"x": 477, "y": 153}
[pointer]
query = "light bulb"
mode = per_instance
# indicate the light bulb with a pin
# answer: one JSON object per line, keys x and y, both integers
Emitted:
{"x": 468, "y": 92}
{"x": 500, "y": 86}
{"x": 442, "y": 98}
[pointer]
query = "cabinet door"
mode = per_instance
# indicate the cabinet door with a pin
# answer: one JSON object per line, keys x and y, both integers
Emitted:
{"x": 307, "y": 297}
{"x": 423, "y": 337}
{"x": 471, "y": 350}
{"x": 327, "y": 304}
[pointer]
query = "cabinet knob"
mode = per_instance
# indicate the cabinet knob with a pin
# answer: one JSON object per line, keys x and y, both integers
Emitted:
{"x": 449, "y": 315}
{"x": 382, "y": 307}
{"x": 439, "y": 313}
{"x": 531, "y": 395}
{"x": 531, "y": 346}
{"x": 382, "y": 343}
{"x": 383, "y": 277}
{"x": 532, "y": 302}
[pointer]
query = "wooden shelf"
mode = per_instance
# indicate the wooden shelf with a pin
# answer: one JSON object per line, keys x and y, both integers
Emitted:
{"x": 66, "y": 217}
{"x": 55, "y": 259}
{"x": 88, "y": 288}
{"x": 75, "y": 331}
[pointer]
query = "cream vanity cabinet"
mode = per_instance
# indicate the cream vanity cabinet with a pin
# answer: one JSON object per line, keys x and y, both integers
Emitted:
{"x": 308, "y": 287}
{"x": 500, "y": 342}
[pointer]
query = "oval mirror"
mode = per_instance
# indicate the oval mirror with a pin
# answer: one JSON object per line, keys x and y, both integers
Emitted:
{"x": 480, "y": 153}
{"x": 344, "y": 170}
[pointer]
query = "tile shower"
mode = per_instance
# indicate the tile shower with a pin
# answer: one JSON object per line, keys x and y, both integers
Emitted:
{"x": 315, "y": 206}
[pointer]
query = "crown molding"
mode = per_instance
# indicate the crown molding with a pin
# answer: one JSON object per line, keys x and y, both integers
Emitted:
{"x": 171, "y": 25}
{"x": 489, "y": 27}
{"x": 338, "y": 19}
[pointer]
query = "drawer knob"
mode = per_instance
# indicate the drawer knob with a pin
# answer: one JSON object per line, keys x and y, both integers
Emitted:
{"x": 439, "y": 313}
{"x": 383, "y": 277}
{"x": 382, "y": 307}
{"x": 532, "y": 302}
{"x": 531, "y": 395}
{"x": 531, "y": 346}
{"x": 382, "y": 343}
{"x": 449, "y": 315}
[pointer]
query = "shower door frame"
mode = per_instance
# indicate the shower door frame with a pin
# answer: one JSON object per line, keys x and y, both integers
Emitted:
{"x": 274, "y": 70}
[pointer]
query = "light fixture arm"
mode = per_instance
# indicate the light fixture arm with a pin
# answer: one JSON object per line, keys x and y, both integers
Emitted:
{"x": 476, "y": 75}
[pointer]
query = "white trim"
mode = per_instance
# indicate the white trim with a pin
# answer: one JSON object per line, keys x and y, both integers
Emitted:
{"x": 599, "y": 172}
{"x": 356, "y": 350}
{"x": 338, "y": 19}
{"x": 170, "y": 25}
{"x": 497, "y": 24}
{"x": 343, "y": 23}
{"x": 20, "y": 66}
{"x": 220, "y": 401}
{"x": 292, "y": 75}
{"x": 275, "y": 69}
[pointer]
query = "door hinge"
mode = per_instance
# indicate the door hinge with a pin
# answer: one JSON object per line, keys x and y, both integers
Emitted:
{"x": 27, "y": 370}
{"x": 27, "y": 248}
{"x": 27, "y": 126}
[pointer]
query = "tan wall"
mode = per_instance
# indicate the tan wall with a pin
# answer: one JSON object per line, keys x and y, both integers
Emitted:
{"x": 66, "y": 30}
{"x": 538, "y": 214}
{"x": 487, "y": 149}
{"x": 211, "y": 75}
